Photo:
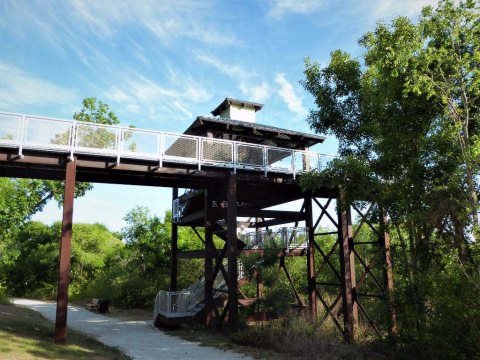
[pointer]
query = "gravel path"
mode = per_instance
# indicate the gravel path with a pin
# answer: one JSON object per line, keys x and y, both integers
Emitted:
{"x": 137, "y": 339}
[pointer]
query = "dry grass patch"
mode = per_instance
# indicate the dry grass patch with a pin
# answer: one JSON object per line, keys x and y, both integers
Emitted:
{"x": 25, "y": 335}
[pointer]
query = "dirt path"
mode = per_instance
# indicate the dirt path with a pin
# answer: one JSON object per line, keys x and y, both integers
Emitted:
{"x": 137, "y": 339}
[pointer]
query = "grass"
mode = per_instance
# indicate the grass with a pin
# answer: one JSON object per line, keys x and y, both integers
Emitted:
{"x": 295, "y": 337}
{"x": 221, "y": 341}
{"x": 25, "y": 334}
{"x": 291, "y": 339}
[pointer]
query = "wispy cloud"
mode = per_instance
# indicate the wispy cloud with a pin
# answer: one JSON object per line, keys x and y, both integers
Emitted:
{"x": 234, "y": 71}
{"x": 289, "y": 95}
{"x": 169, "y": 21}
{"x": 281, "y": 8}
{"x": 251, "y": 85}
{"x": 19, "y": 88}
{"x": 258, "y": 93}
{"x": 144, "y": 96}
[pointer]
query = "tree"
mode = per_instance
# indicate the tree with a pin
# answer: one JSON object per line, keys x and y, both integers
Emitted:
{"x": 27, "y": 197}
{"x": 96, "y": 113}
{"x": 20, "y": 199}
{"x": 414, "y": 103}
{"x": 407, "y": 120}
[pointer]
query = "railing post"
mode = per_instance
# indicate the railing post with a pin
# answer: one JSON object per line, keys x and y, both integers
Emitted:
{"x": 161, "y": 146}
{"x": 265, "y": 160}
{"x": 199, "y": 152}
{"x": 119, "y": 143}
{"x": 294, "y": 164}
{"x": 22, "y": 135}
{"x": 72, "y": 139}
{"x": 234, "y": 157}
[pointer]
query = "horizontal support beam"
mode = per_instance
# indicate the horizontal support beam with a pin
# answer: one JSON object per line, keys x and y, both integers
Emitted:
{"x": 191, "y": 254}
{"x": 187, "y": 219}
{"x": 277, "y": 214}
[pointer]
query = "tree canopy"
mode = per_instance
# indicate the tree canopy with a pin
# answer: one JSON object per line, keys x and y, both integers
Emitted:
{"x": 407, "y": 118}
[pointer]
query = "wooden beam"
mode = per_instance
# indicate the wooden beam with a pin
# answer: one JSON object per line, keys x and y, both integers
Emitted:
{"x": 191, "y": 254}
{"x": 277, "y": 214}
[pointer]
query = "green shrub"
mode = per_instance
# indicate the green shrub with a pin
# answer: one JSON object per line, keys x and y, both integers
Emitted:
{"x": 3, "y": 295}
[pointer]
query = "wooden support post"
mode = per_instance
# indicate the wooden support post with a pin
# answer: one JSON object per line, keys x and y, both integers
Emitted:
{"x": 174, "y": 248}
{"x": 311, "y": 281}
{"x": 232, "y": 248}
{"x": 65, "y": 251}
{"x": 210, "y": 253}
{"x": 388, "y": 274}
{"x": 347, "y": 263}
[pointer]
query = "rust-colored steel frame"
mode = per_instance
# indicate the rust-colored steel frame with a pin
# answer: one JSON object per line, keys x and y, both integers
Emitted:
{"x": 242, "y": 188}
{"x": 65, "y": 251}
{"x": 348, "y": 282}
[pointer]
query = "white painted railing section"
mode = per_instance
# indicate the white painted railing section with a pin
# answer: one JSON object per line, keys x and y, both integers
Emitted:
{"x": 71, "y": 137}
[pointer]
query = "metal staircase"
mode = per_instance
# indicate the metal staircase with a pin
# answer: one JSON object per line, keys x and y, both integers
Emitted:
{"x": 175, "y": 307}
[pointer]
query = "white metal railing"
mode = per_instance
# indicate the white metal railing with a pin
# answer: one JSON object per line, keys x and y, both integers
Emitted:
{"x": 71, "y": 137}
{"x": 288, "y": 238}
{"x": 189, "y": 301}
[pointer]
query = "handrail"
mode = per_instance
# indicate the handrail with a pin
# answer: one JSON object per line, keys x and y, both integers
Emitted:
{"x": 189, "y": 301}
{"x": 71, "y": 137}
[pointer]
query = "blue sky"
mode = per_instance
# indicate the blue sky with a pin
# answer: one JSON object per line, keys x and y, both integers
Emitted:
{"x": 159, "y": 64}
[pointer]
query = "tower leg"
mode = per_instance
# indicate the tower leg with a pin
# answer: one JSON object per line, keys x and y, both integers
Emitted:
{"x": 174, "y": 247}
{"x": 232, "y": 248}
{"x": 65, "y": 251}
{"x": 209, "y": 256}
{"x": 312, "y": 298}
{"x": 347, "y": 263}
{"x": 388, "y": 273}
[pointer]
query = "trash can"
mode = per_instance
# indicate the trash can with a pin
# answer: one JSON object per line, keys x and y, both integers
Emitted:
{"x": 103, "y": 305}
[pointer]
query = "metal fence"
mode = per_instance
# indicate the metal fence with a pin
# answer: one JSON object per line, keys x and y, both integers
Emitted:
{"x": 71, "y": 137}
{"x": 288, "y": 238}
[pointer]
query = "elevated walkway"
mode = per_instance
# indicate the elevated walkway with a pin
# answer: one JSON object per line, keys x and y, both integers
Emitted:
{"x": 42, "y": 134}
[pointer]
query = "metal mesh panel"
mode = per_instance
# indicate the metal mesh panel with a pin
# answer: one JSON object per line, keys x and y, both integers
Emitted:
{"x": 296, "y": 238}
{"x": 10, "y": 128}
{"x": 47, "y": 132}
{"x": 324, "y": 161}
{"x": 250, "y": 155}
{"x": 180, "y": 147}
{"x": 96, "y": 137}
{"x": 279, "y": 159}
{"x": 217, "y": 151}
{"x": 179, "y": 302}
{"x": 162, "y": 302}
{"x": 305, "y": 161}
{"x": 140, "y": 142}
